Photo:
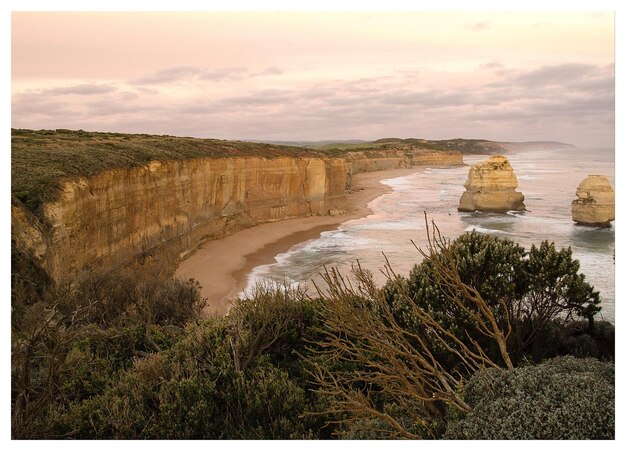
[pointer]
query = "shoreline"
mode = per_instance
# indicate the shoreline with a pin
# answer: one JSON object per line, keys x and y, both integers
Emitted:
{"x": 222, "y": 266}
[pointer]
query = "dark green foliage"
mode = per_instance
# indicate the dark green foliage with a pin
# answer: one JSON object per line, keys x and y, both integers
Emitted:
{"x": 574, "y": 338}
{"x": 29, "y": 284}
{"x": 73, "y": 342}
{"x": 162, "y": 398}
{"x": 552, "y": 285}
{"x": 529, "y": 289}
{"x": 565, "y": 398}
{"x": 95, "y": 360}
{"x": 235, "y": 377}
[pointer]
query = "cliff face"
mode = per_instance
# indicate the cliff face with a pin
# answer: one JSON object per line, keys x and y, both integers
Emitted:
{"x": 595, "y": 203}
{"x": 490, "y": 186}
{"x": 165, "y": 209}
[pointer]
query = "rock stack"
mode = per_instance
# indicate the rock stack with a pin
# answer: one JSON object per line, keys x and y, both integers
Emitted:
{"x": 491, "y": 187}
{"x": 595, "y": 205}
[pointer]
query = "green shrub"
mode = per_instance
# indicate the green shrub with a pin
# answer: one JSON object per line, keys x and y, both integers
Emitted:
{"x": 71, "y": 343}
{"x": 564, "y": 398}
{"x": 526, "y": 289}
{"x": 178, "y": 395}
{"x": 119, "y": 356}
{"x": 574, "y": 338}
{"x": 118, "y": 298}
{"x": 226, "y": 377}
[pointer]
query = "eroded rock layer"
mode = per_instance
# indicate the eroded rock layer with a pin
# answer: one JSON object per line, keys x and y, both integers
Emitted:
{"x": 595, "y": 203}
{"x": 490, "y": 186}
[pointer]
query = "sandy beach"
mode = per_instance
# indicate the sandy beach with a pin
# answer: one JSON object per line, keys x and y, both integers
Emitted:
{"x": 222, "y": 266}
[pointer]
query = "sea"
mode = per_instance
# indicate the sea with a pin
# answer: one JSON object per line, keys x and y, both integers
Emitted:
{"x": 547, "y": 178}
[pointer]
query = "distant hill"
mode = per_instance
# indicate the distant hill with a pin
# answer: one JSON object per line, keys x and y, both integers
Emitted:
{"x": 465, "y": 146}
{"x": 531, "y": 145}
{"x": 314, "y": 144}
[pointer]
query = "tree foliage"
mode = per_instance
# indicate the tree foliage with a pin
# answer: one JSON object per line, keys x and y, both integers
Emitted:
{"x": 525, "y": 290}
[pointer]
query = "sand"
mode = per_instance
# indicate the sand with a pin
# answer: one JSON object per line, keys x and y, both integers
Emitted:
{"x": 222, "y": 266}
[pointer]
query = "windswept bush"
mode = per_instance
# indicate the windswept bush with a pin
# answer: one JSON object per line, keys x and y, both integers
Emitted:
{"x": 122, "y": 298}
{"x": 562, "y": 399}
{"x": 525, "y": 290}
{"x": 394, "y": 360}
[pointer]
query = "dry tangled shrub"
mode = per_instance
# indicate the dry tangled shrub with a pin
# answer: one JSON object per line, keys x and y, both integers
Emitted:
{"x": 260, "y": 320}
{"x": 45, "y": 331}
{"x": 373, "y": 367}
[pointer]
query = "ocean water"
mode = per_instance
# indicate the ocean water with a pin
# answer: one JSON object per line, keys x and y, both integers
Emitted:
{"x": 548, "y": 180}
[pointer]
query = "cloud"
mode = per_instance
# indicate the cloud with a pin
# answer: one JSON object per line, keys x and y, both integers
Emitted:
{"x": 268, "y": 71}
{"x": 184, "y": 73}
{"x": 478, "y": 26}
{"x": 226, "y": 73}
{"x": 491, "y": 65}
{"x": 260, "y": 97}
{"x": 540, "y": 103}
{"x": 556, "y": 74}
{"x": 83, "y": 90}
{"x": 432, "y": 98}
{"x": 180, "y": 73}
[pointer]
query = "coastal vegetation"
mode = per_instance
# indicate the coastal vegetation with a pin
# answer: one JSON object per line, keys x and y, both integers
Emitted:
{"x": 443, "y": 352}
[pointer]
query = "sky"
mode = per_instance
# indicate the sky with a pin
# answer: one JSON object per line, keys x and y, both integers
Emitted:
{"x": 508, "y": 76}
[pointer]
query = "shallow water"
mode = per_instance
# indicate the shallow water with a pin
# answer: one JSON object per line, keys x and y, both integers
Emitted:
{"x": 548, "y": 180}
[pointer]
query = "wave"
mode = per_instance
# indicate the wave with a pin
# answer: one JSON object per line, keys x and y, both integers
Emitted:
{"x": 487, "y": 230}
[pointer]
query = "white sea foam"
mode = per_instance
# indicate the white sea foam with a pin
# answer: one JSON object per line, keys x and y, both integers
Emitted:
{"x": 487, "y": 230}
{"x": 388, "y": 225}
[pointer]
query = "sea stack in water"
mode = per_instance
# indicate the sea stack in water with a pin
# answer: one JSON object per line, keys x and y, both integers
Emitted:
{"x": 491, "y": 187}
{"x": 595, "y": 205}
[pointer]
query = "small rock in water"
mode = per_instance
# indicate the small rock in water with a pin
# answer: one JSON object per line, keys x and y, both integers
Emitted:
{"x": 490, "y": 186}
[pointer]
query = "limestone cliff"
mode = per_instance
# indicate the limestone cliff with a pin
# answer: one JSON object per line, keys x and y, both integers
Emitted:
{"x": 164, "y": 209}
{"x": 595, "y": 203}
{"x": 490, "y": 186}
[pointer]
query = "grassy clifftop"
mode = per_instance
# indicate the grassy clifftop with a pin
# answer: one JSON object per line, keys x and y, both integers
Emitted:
{"x": 39, "y": 158}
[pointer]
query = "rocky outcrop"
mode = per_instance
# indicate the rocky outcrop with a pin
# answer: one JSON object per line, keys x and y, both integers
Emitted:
{"x": 595, "y": 205}
{"x": 165, "y": 209}
{"x": 490, "y": 186}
